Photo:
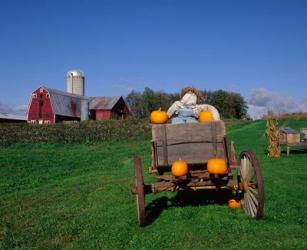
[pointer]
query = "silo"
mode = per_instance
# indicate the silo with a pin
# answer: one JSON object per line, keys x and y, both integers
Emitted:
{"x": 75, "y": 82}
{"x": 84, "y": 110}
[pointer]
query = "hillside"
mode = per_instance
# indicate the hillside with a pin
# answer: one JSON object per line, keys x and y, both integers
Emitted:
{"x": 77, "y": 196}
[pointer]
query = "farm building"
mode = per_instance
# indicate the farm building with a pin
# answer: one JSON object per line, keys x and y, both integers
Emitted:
{"x": 51, "y": 106}
{"x": 104, "y": 108}
{"x": 9, "y": 118}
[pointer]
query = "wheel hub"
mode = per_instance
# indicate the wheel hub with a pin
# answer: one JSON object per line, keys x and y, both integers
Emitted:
{"x": 245, "y": 185}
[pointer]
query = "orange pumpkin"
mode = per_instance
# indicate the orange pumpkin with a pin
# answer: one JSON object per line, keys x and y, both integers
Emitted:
{"x": 158, "y": 117}
{"x": 217, "y": 166}
{"x": 205, "y": 116}
{"x": 232, "y": 203}
{"x": 179, "y": 168}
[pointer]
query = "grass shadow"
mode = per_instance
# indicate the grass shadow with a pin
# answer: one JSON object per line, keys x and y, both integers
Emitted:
{"x": 201, "y": 197}
{"x": 295, "y": 151}
{"x": 186, "y": 198}
{"x": 292, "y": 151}
{"x": 155, "y": 208}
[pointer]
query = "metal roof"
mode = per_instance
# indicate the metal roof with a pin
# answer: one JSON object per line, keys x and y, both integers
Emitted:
{"x": 67, "y": 104}
{"x": 6, "y": 116}
{"x": 64, "y": 103}
{"x": 104, "y": 102}
{"x": 75, "y": 72}
{"x": 60, "y": 92}
{"x": 288, "y": 130}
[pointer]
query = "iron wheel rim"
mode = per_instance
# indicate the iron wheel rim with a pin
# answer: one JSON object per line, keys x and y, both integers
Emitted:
{"x": 252, "y": 185}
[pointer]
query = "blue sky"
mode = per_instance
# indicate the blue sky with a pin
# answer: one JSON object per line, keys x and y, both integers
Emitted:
{"x": 242, "y": 46}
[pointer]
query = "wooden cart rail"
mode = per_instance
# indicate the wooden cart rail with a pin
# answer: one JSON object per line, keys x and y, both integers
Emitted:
{"x": 194, "y": 143}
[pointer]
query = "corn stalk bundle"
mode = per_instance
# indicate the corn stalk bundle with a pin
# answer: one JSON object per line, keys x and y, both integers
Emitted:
{"x": 272, "y": 133}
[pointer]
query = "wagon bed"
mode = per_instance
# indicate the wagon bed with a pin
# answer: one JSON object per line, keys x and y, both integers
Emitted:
{"x": 196, "y": 143}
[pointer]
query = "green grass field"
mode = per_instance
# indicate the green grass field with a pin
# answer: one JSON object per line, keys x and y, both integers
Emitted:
{"x": 78, "y": 197}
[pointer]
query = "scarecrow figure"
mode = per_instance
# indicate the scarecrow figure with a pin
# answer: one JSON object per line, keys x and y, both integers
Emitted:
{"x": 190, "y": 105}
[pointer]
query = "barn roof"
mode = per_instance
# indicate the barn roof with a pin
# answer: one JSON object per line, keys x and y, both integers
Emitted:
{"x": 60, "y": 92}
{"x": 104, "y": 102}
{"x": 5, "y": 116}
{"x": 64, "y": 103}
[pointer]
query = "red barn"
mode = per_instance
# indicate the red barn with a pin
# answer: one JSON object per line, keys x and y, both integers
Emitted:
{"x": 50, "y": 106}
{"x": 105, "y": 108}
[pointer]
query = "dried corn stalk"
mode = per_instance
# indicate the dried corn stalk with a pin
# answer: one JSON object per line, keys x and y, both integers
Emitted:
{"x": 272, "y": 133}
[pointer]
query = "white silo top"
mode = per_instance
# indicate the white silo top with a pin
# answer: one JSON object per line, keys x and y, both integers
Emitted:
{"x": 75, "y": 72}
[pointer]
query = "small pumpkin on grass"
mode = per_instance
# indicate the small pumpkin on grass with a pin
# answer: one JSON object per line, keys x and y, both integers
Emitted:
{"x": 158, "y": 117}
{"x": 232, "y": 203}
{"x": 217, "y": 166}
{"x": 179, "y": 168}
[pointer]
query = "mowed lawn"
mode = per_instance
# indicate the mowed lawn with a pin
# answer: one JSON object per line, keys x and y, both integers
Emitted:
{"x": 78, "y": 197}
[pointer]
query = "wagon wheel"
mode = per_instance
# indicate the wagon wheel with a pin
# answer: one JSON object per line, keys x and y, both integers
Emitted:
{"x": 139, "y": 194}
{"x": 251, "y": 182}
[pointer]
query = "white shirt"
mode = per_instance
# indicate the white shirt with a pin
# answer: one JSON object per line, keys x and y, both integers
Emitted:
{"x": 189, "y": 100}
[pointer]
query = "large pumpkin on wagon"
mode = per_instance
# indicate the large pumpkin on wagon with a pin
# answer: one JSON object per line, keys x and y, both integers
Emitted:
{"x": 179, "y": 168}
{"x": 158, "y": 117}
{"x": 205, "y": 116}
{"x": 217, "y": 166}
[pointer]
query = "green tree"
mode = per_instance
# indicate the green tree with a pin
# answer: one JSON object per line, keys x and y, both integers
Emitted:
{"x": 229, "y": 104}
{"x": 134, "y": 100}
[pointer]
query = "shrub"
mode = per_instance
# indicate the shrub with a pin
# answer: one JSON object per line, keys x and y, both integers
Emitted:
{"x": 83, "y": 132}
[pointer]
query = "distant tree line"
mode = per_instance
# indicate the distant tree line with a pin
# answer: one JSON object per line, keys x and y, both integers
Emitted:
{"x": 229, "y": 104}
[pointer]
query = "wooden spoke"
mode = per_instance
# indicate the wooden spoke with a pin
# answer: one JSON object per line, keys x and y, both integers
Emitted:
{"x": 250, "y": 171}
{"x": 253, "y": 189}
{"x": 251, "y": 183}
{"x": 253, "y": 197}
{"x": 140, "y": 194}
{"x": 251, "y": 204}
{"x": 243, "y": 169}
{"x": 248, "y": 206}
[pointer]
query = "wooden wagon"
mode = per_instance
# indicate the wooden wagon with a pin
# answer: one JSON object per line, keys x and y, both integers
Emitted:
{"x": 196, "y": 143}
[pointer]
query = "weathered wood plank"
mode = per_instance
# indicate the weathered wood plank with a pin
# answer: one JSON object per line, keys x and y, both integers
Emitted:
{"x": 193, "y": 142}
{"x": 192, "y": 153}
{"x": 288, "y": 136}
{"x": 188, "y": 131}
